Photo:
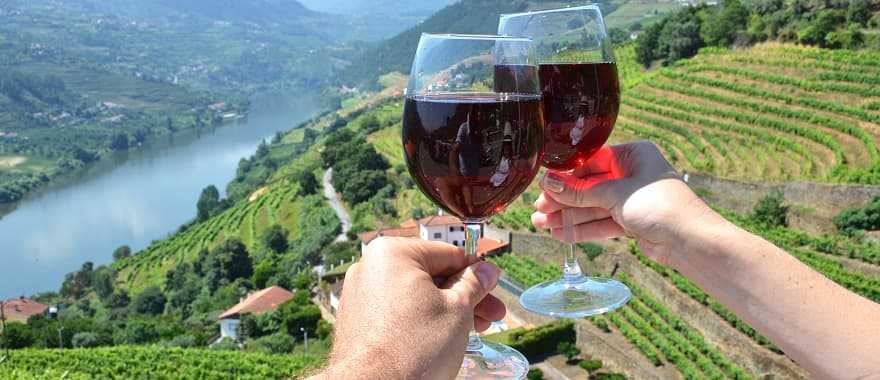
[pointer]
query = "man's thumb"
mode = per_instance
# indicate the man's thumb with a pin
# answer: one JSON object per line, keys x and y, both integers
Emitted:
{"x": 474, "y": 282}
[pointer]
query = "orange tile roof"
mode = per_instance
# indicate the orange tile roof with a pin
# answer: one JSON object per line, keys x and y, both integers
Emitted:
{"x": 486, "y": 246}
{"x": 20, "y": 309}
{"x": 440, "y": 220}
{"x": 367, "y": 237}
{"x": 259, "y": 302}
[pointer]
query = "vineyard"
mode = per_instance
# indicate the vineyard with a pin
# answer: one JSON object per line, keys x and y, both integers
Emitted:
{"x": 772, "y": 112}
{"x": 151, "y": 362}
{"x": 658, "y": 334}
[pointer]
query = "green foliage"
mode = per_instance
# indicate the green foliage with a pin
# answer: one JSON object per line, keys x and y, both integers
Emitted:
{"x": 607, "y": 376}
{"x": 104, "y": 281}
{"x": 526, "y": 271}
{"x": 121, "y": 253}
{"x": 339, "y": 252}
{"x": 535, "y": 374}
{"x": 85, "y": 340}
{"x": 226, "y": 263}
{"x": 592, "y": 250}
{"x": 150, "y": 302}
{"x": 591, "y": 365}
{"x": 600, "y": 323}
{"x": 76, "y": 284}
{"x": 568, "y": 349}
{"x": 17, "y": 335}
{"x": 307, "y": 181}
{"x": 543, "y": 340}
{"x": 721, "y": 26}
{"x": 862, "y": 218}
{"x": 298, "y": 313}
{"x": 155, "y": 363}
{"x": 770, "y": 210}
{"x": 278, "y": 343}
{"x": 275, "y": 238}
{"x": 208, "y": 203}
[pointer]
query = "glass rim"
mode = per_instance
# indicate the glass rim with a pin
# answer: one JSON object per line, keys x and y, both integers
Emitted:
{"x": 478, "y": 37}
{"x": 577, "y": 8}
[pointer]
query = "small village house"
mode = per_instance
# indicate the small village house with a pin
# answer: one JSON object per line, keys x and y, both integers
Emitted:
{"x": 20, "y": 309}
{"x": 255, "y": 303}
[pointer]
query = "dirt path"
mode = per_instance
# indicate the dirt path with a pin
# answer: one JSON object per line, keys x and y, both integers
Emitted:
{"x": 11, "y": 161}
{"x": 336, "y": 204}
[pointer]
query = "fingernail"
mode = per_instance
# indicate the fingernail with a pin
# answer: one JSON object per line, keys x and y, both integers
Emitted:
{"x": 487, "y": 273}
{"x": 552, "y": 183}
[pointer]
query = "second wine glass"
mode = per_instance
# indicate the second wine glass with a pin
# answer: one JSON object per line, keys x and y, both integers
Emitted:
{"x": 581, "y": 98}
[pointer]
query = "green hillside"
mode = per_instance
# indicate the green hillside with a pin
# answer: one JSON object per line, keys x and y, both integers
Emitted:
{"x": 151, "y": 362}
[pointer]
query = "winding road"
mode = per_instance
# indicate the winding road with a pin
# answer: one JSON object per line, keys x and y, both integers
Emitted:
{"x": 336, "y": 204}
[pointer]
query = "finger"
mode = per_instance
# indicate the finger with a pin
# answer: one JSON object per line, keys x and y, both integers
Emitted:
{"x": 547, "y": 205}
{"x": 472, "y": 284}
{"x": 582, "y": 192}
{"x": 434, "y": 257}
{"x": 490, "y": 309}
{"x": 594, "y": 231}
{"x": 579, "y": 216}
{"x": 601, "y": 162}
{"x": 481, "y": 324}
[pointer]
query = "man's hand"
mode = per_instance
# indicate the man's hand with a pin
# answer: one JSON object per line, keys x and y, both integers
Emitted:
{"x": 406, "y": 310}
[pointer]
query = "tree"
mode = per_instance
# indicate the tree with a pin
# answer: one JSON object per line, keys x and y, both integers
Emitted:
{"x": 264, "y": 271}
{"x": 862, "y": 218}
{"x": 151, "y": 301}
{"x": 362, "y": 185}
{"x": 103, "y": 282}
{"x": 569, "y": 350}
{"x": 275, "y": 238}
{"x": 646, "y": 44}
{"x": 226, "y": 263}
{"x": 858, "y": 12}
{"x": 307, "y": 181}
{"x": 76, "y": 284}
{"x": 278, "y": 343}
{"x": 121, "y": 253}
{"x": 85, "y": 340}
{"x": 721, "y": 28}
{"x": 535, "y": 374}
{"x": 299, "y": 312}
{"x": 17, "y": 335}
{"x": 136, "y": 331}
{"x": 208, "y": 202}
{"x": 770, "y": 211}
{"x": 118, "y": 299}
{"x": 119, "y": 142}
{"x": 370, "y": 124}
{"x": 342, "y": 251}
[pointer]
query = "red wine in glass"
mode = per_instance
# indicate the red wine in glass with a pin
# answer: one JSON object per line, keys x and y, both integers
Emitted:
{"x": 473, "y": 154}
{"x": 581, "y": 101}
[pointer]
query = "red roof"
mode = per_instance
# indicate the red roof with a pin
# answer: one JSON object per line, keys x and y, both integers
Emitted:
{"x": 20, "y": 309}
{"x": 486, "y": 246}
{"x": 259, "y": 302}
{"x": 440, "y": 220}
{"x": 367, "y": 237}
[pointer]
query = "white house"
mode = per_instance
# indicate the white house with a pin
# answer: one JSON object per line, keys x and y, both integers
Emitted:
{"x": 255, "y": 303}
{"x": 444, "y": 228}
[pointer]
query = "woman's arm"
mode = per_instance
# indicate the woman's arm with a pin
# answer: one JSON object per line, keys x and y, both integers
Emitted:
{"x": 631, "y": 190}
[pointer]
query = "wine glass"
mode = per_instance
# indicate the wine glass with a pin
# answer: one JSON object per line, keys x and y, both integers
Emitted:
{"x": 472, "y": 138}
{"x": 581, "y": 97}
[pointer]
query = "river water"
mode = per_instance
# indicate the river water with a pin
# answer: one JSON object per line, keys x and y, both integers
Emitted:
{"x": 132, "y": 198}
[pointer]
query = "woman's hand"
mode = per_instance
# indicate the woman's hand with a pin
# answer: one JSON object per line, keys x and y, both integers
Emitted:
{"x": 627, "y": 189}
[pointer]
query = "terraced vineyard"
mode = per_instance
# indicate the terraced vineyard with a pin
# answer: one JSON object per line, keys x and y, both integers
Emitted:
{"x": 771, "y": 112}
{"x": 661, "y": 336}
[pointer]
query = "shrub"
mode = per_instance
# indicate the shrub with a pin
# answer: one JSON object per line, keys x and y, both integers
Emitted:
{"x": 543, "y": 340}
{"x": 17, "y": 335}
{"x": 85, "y": 340}
{"x": 121, "y": 253}
{"x": 182, "y": 341}
{"x": 861, "y": 218}
{"x": 770, "y": 211}
{"x": 225, "y": 344}
{"x": 278, "y": 343}
{"x": 607, "y": 376}
{"x": 592, "y": 250}
{"x": 590, "y": 365}
{"x": 569, "y": 350}
{"x": 535, "y": 374}
{"x": 601, "y": 323}
{"x": 275, "y": 238}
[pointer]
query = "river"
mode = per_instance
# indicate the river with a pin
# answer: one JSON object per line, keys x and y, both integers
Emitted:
{"x": 130, "y": 199}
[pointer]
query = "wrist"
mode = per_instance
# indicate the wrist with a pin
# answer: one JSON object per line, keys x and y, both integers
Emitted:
{"x": 699, "y": 229}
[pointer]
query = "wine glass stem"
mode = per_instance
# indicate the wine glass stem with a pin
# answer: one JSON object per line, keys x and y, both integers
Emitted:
{"x": 471, "y": 238}
{"x": 571, "y": 269}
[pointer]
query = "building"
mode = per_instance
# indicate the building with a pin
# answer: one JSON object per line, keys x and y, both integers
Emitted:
{"x": 445, "y": 228}
{"x": 20, "y": 309}
{"x": 255, "y": 303}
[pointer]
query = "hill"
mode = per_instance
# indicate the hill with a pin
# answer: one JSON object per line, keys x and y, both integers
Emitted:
{"x": 470, "y": 16}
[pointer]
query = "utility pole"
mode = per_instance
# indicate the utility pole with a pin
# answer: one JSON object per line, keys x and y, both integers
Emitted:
{"x": 305, "y": 339}
{"x": 60, "y": 337}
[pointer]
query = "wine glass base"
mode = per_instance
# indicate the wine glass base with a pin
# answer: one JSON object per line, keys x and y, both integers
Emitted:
{"x": 575, "y": 298}
{"x": 493, "y": 361}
